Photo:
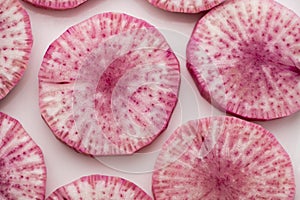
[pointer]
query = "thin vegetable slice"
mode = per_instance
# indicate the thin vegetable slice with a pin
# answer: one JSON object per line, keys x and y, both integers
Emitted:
{"x": 109, "y": 85}
{"x": 56, "y": 4}
{"x": 98, "y": 187}
{"x": 244, "y": 57}
{"x": 185, "y": 6}
{"x": 23, "y": 170}
{"x": 15, "y": 44}
{"x": 223, "y": 158}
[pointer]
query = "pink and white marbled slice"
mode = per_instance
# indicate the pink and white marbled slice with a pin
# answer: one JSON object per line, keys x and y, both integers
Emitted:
{"x": 223, "y": 158}
{"x": 99, "y": 187}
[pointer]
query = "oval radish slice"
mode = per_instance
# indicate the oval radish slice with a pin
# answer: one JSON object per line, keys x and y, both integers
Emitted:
{"x": 56, "y": 4}
{"x": 109, "y": 85}
{"x": 244, "y": 57}
{"x": 96, "y": 187}
{"x": 223, "y": 158}
{"x": 185, "y": 6}
{"x": 15, "y": 44}
{"x": 23, "y": 170}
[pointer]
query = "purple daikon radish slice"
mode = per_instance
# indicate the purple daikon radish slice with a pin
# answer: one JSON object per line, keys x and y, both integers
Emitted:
{"x": 245, "y": 56}
{"x": 108, "y": 85}
{"x": 23, "y": 170}
{"x": 15, "y": 44}
{"x": 98, "y": 187}
{"x": 223, "y": 158}
{"x": 56, "y": 4}
{"x": 185, "y": 6}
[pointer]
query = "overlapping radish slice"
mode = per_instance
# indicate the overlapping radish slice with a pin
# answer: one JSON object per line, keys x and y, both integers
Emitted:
{"x": 98, "y": 187}
{"x": 223, "y": 158}
{"x": 109, "y": 85}
{"x": 23, "y": 171}
{"x": 56, "y": 4}
{"x": 15, "y": 44}
{"x": 245, "y": 58}
{"x": 185, "y": 6}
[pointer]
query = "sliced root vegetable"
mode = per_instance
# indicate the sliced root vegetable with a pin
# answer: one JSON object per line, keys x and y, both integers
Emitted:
{"x": 245, "y": 57}
{"x": 56, "y": 4}
{"x": 223, "y": 158}
{"x": 186, "y": 6}
{"x": 23, "y": 170}
{"x": 109, "y": 85}
{"x": 15, "y": 44}
{"x": 97, "y": 187}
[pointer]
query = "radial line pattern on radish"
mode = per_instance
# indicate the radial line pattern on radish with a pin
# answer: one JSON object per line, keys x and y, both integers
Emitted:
{"x": 23, "y": 171}
{"x": 56, "y": 4}
{"x": 97, "y": 100}
{"x": 15, "y": 44}
{"x": 244, "y": 162}
{"x": 185, "y": 6}
{"x": 244, "y": 58}
{"x": 96, "y": 187}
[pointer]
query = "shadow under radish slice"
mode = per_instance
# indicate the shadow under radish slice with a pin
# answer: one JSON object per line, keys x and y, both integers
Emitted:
{"x": 23, "y": 170}
{"x": 223, "y": 158}
{"x": 245, "y": 56}
{"x": 185, "y": 6}
{"x": 56, "y": 4}
{"x": 108, "y": 85}
{"x": 15, "y": 44}
{"x": 97, "y": 187}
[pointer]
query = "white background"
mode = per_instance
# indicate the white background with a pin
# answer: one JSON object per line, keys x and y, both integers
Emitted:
{"x": 65, "y": 165}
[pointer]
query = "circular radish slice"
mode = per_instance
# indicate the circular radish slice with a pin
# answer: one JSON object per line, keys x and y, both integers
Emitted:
{"x": 56, "y": 4}
{"x": 15, "y": 44}
{"x": 109, "y": 85}
{"x": 244, "y": 57}
{"x": 96, "y": 187}
{"x": 23, "y": 171}
{"x": 223, "y": 158}
{"x": 186, "y": 6}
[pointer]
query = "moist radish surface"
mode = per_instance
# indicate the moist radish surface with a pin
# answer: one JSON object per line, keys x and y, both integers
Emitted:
{"x": 98, "y": 187}
{"x": 64, "y": 164}
{"x": 185, "y": 6}
{"x": 244, "y": 57}
{"x": 103, "y": 97}
{"x": 15, "y": 44}
{"x": 56, "y": 4}
{"x": 23, "y": 170}
{"x": 223, "y": 158}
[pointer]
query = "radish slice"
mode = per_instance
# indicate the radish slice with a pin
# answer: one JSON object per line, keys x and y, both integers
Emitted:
{"x": 109, "y": 85}
{"x": 244, "y": 57}
{"x": 223, "y": 158}
{"x": 23, "y": 170}
{"x": 185, "y": 6}
{"x": 96, "y": 187}
{"x": 56, "y": 4}
{"x": 15, "y": 44}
